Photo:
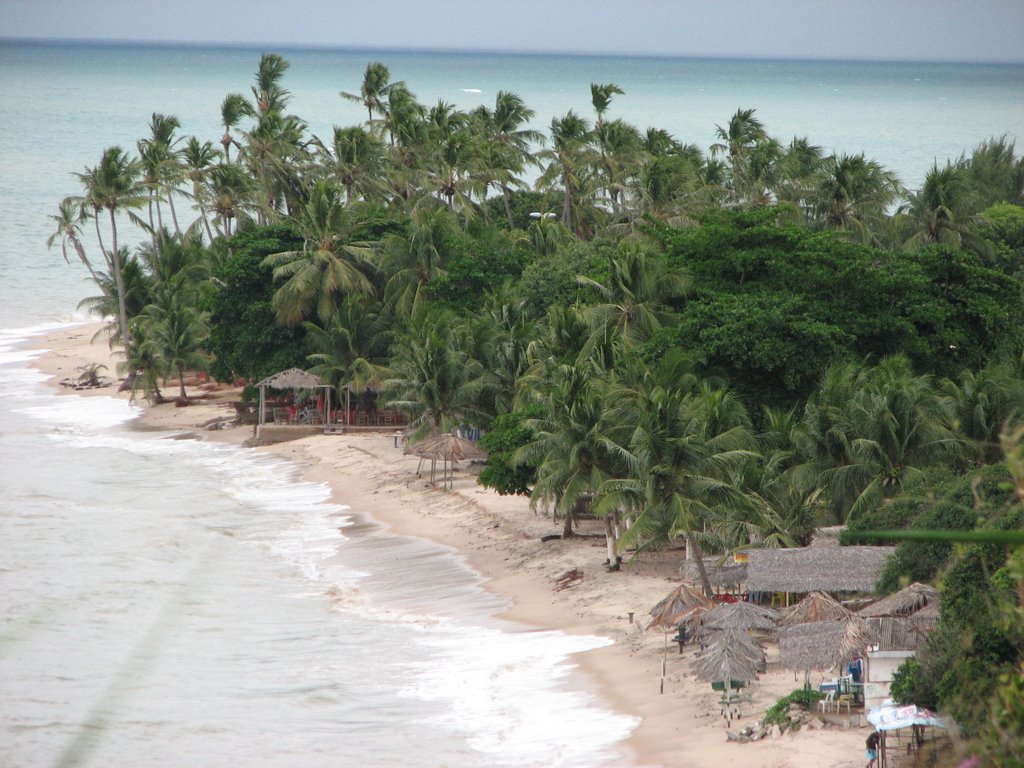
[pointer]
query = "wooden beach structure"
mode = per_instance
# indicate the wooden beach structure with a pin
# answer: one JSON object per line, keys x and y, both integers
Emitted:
{"x": 277, "y": 420}
{"x": 447, "y": 448}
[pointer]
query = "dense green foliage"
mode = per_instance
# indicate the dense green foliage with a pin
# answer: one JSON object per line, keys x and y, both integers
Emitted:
{"x": 730, "y": 346}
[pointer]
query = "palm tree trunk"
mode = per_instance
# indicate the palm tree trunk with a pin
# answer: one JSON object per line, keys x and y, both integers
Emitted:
{"x": 507, "y": 195}
{"x": 611, "y": 539}
{"x": 701, "y": 571}
{"x": 122, "y": 305}
{"x": 174, "y": 214}
{"x": 181, "y": 383}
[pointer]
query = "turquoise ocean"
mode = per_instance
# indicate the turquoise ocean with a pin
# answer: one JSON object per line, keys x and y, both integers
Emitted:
{"x": 169, "y": 602}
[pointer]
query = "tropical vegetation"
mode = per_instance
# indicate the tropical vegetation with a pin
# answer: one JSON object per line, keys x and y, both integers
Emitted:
{"x": 718, "y": 348}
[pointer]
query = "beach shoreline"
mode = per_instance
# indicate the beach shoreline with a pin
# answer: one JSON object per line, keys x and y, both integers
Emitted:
{"x": 500, "y": 539}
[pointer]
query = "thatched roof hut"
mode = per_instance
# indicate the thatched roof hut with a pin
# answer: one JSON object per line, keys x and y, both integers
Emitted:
{"x": 741, "y": 616}
{"x": 733, "y": 655}
{"x": 720, "y": 575}
{"x": 293, "y": 379}
{"x": 820, "y": 568}
{"x": 816, "y": 607}
{"x": 822, "y": 645}
{"x": 682, "y": 602}
{"x": 447, "y": 448}
{"x": 903, "y": 603}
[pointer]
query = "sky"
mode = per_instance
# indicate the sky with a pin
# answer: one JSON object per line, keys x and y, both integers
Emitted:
{"x": 928, "y": 30}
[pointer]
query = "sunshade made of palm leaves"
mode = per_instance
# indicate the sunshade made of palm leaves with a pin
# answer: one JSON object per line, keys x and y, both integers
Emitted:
{"x": 448, "y": 447}
{"x": 908, "y": 600}
{"x": 682, "y": 602}
{"x": 733, "y": 655}
{"x": 740, "y": 615}
{"x": 817, "y": 606}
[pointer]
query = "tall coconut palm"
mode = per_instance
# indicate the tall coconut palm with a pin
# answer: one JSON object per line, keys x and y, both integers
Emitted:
{"x": 114, "y": 185}
{"x": 739, "y": 135}
{"x": 568, "y": 162}
{"x": 268, "y": 93}
{"x": 357, "y": 162}
{"x": 229, "y": 190}
{"x": 601, "y": 98}
{"x": 198, "y": 158}
{"x": 330, "y": 265}
{"x": 232, "y": 110}
{"x": 374, "y": 89}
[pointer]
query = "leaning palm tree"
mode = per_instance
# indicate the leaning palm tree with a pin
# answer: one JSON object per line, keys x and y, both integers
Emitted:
{"x": 69, "y": 220}
{"x": 232, "y": 110}
{"x": 114, "y": 185}
{"x": 198, "y": 158}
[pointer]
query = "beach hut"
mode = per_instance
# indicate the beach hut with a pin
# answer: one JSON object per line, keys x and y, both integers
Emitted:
{"x": 295, "y": 379}
{"x": 822, "y": 645}
{"x": 820, "y": 568}
{"x": 448, "y": 448}
{"x": 908, "y": 600}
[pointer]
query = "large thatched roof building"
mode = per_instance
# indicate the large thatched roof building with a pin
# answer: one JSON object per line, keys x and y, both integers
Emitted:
{"x": 823, "y": 644}
{"x": 816, "y": 568}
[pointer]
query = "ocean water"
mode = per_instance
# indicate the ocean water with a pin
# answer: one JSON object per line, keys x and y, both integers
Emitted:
{"x": 167, "y": 602}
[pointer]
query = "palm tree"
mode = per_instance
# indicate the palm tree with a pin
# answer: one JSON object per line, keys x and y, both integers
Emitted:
{"x": 433, "y": 379}
{"x": 416, "y": 257}
{"x": 569, "y": 445}
{"x": 568, "y": 161}
{"x": 986, "y": 403}
{"x": 198, "y": 159}
{"x": 69, "y": 220}
{"x": 601, "y": 98}
{"x": 268, "y": 93}
{"x": 357, "y": 163}
{"x": 677, "y": 467}
{"x": 507, "y": 121}
{"x": 329, "y": 266}
{"x": 869, "y": 429}
{"x": 232, "y": 110}
{"x": 938, "y": 212}
{"x": 348, "y": 349}
{"x": 632, "y": 303}
{"x": 174, "y": 335}
{"x": 374, "y": 89}
{"x": 230, "y": 194}
{"x": 114, "y": 185}
{"x": 741, "y": 133}
{"x": 854, "y": 194}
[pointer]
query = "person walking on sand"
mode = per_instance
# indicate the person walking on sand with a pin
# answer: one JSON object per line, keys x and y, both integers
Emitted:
{"x": 871, "y": 753}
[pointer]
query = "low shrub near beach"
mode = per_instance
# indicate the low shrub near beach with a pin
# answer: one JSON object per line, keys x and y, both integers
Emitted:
{"x": 778, "y": 713}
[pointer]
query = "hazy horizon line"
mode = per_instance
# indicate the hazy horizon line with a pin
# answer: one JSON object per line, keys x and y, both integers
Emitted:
{"x": 265, "y": 46}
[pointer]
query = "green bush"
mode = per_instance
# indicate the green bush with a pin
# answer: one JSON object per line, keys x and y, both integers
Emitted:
{"x": 778, "y": 713}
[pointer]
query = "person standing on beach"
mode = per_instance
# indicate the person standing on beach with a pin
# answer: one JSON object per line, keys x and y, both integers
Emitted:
{"x": 871, "y": 753}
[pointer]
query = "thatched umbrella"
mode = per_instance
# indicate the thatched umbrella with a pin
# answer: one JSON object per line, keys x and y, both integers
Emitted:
{"x": 740, "y": 615}
{"x": 822, "y": 645}
{"x": 734, "y": 655}
{"x": 903, "y": 603}
{"x": 447, "y": 447}
{"x": 681, "y": 603}
{"x": 817, "y": 606}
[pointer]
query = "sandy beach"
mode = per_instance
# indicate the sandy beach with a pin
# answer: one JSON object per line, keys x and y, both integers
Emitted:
{"x": 500, "y": 537}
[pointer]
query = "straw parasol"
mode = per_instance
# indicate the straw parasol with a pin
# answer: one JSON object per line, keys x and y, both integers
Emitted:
{"x": 681, "y": 603}
{"x": 733, "y": 655}
{"x": 823, "y": 644}
{"x": 447, "y": 447}
{"x": 817, "y": 606}
{"x": 903, "y": 603}
{"x": 740, "y": 615}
